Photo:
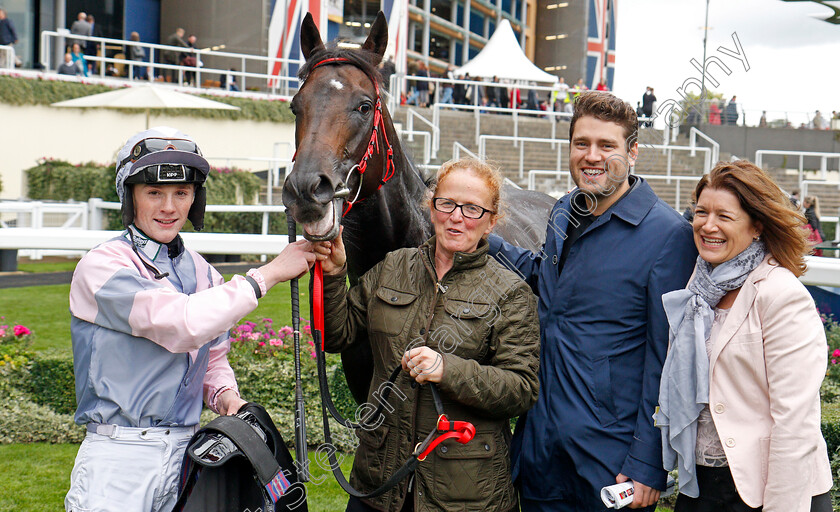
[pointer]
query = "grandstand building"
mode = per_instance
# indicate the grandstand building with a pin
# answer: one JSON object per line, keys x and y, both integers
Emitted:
{"x": 573, "y": 39}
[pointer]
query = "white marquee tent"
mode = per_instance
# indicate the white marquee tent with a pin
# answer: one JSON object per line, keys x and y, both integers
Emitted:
{"x": 504, "y": 58}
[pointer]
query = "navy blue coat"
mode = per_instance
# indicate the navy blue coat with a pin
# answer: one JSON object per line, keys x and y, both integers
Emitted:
{"x": 604, "y": 338}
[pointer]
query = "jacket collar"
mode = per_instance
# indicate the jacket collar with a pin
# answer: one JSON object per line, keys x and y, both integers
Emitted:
{"x": 462, "y": 260}
{"x": 152, "y": 248}
{"x": 742, "y": 306}
{"x": 634, "y": 206}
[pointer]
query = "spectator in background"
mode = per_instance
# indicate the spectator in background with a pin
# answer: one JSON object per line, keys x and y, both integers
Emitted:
{"x": 80, "y": 27}
{"x": 137, "y": 54}
{"x": 422, "y": 86}
{"x": 532, "y": 98}
{"x": 731, "y": 112}
{"x": 447, "y": 91}
{"x": 504, "y": 99}
{"x": 92, "y": 47}
{"x": 648, "y": 99}
{"x": 190, "y": 59}
{"x": 762, "y": 123}
{"x": 559, "y": 95}
{"x": 492, "y": 93}
{"x": 812, "y": 215}
{"x": 580, "y": 86}
{"x": 602, "y": 85}
{"x": 714, "y": 113}
{"x": 228, "y": 81}
{"x": 8, "y": 34}
{"x": 819, "y": 121}
{"x": 386, "y": 69}
{"x": 794, "y": 199}
{"x": 69, "y": 67}
{"x": 172, "y": 57}
{"x": 79, "y": 58}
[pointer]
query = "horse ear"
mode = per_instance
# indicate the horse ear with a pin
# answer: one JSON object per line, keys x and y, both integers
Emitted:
{"x": 310, "y": 37}
{"x": 377, "y": 40}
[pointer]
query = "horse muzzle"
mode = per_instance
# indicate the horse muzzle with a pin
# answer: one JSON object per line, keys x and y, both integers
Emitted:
{"x": 328, "y": 227}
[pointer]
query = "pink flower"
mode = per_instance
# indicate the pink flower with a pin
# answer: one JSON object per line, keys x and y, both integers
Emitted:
{"x": 313, "y": 355}
{"x": 2, "y": 332}
{"x": 275, "y": 343}
{"x": 245, "y": 328}
{"x": 834, "y": 361}
{"x": 306, "y": 329}
{"x": 311, "y": 343}
{"x": 262, "y": 343}
{"x": 836, "y": 353}
{"x": 21, "y": 330}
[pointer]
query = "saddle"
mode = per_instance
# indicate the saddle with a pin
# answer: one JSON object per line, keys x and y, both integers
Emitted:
{"x": 238, "y": 463}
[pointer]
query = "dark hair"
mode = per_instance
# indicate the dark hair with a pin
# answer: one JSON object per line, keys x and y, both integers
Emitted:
{"x": 362, "y": 59}
{"x": 766, "y": 204}
{"x": 607, "y": 107}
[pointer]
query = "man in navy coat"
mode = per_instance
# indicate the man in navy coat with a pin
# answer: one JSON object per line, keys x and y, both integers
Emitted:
{"x": 612, "y": 249}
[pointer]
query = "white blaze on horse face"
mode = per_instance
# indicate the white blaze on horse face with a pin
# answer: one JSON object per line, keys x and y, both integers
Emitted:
{"x": 336, "y": 84}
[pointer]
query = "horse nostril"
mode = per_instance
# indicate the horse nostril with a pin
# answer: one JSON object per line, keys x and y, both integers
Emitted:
{"x": 322, "y": 189}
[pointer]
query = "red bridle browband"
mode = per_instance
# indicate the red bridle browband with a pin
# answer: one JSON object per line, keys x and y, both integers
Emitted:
{"x": 373, "y": 144}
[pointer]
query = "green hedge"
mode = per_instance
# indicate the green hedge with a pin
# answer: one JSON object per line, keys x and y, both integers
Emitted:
{"x": 58, "y": 180}
{"x": 26, "y": 91}
{"x": 37, "y": 398}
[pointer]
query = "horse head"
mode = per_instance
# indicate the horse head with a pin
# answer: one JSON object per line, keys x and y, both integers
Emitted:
{"x": 343, "y": 153}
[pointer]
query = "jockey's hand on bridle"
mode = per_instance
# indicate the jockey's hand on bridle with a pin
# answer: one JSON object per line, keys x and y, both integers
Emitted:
{"x": 336, "y": 256}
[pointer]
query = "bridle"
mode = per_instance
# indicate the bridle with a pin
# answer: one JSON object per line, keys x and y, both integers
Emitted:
{"x": 373, "y": 146}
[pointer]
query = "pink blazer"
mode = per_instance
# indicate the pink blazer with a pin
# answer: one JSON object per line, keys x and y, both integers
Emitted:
{"x": 766, "y": 368}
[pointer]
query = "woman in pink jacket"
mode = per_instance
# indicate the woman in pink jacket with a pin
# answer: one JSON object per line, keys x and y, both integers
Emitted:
{"x": 739, "y": 398}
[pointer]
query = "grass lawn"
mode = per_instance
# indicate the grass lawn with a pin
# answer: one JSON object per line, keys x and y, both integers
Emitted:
{"x": 35, "y": 478}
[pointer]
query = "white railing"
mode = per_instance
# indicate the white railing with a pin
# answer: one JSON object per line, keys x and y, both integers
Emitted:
{"x": 76, "y": 242}
{"x": 410, "y": 115}
{"x": 38, "y": 215}
{"x": 272, "y": 169}
{"x": 51, "y": 40}
{"x": 97, "y": 205}
{"x": 458, "y": 148}
{"x": 7, "y": 57}
{"x": 532, "y": 180}
{"x": 692, "y": 143}
{"x": 558, "y": 143}
{"x": 427, "y": 142}
{"x": 824, "y": 158}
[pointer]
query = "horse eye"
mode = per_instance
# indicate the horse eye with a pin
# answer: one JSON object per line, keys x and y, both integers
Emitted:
{"x": 365, "y": 108}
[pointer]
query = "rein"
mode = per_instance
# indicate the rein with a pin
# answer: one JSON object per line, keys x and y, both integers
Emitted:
{"x": 461, "y": 431}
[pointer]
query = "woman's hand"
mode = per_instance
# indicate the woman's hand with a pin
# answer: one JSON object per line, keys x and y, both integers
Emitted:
{"x": 229, "y": 403}
{"x": 423, "y": 365}
{"x": 333, "y": 253}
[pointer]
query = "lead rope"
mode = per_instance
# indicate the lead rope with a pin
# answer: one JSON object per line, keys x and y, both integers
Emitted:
{"x": 461, "y": 431}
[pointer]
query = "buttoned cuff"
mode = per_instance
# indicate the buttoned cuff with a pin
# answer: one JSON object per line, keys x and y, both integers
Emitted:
{"x": 255, "y": 277}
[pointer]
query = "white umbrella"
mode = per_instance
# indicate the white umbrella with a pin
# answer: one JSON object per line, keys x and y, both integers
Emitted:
{"x": 144, "y": 97}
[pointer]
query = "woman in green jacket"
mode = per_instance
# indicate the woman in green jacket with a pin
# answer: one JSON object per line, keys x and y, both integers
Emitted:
{"x": 449, "y": 315}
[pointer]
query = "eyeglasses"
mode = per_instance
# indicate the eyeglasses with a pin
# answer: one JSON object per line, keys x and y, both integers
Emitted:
{"x": 470, "y": 211}
{"x": 153, "y": 145}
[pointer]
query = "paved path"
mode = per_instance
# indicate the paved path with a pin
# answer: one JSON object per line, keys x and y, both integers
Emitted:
{"x": 20, "y": 279}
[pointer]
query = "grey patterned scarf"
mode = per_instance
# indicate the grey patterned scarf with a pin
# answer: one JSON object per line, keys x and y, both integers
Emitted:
{"x": 686, "y": 372}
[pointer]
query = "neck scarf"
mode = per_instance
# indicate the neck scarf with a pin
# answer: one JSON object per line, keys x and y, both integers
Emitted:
{"x": 684, "y": 389}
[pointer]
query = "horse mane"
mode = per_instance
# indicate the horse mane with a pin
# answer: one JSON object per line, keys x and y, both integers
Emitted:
{"x": 363, "y": 59}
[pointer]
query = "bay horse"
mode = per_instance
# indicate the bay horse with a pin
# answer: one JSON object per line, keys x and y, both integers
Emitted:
{"x": 351, "y": 170}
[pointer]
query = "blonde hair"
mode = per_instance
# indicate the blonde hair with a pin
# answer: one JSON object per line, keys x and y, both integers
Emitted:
{"x": 488, "y": 173}
{"x": 812, "y": 200}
